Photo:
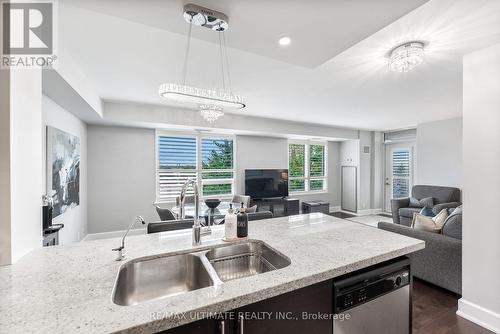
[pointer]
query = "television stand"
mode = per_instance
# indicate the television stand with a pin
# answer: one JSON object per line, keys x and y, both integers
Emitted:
{"x": 278, "y": 206}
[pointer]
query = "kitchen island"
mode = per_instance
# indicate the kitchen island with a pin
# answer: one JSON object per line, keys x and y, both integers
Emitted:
{"x": 68, "y": 289}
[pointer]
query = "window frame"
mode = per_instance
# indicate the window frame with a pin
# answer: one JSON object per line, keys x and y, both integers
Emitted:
{"x": 307, "y": 166}
{"x": 199, "y": 165}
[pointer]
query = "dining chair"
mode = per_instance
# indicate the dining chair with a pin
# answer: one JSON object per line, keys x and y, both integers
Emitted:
{"x": 241, "y": 198}
{"x": 165, "y": 214}
{"x": 171, "y": 225}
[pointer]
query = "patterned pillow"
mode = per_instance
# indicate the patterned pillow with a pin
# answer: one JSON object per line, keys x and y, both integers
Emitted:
{"x": 427, "y": 211}
{"x": 429, "y": 224}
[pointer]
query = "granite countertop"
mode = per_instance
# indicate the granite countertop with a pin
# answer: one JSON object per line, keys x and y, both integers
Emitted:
{"x": 67, "y": 289}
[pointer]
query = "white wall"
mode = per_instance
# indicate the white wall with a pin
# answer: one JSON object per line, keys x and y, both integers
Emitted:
{"x": 26, "y": 161}
{"x": 439, "y": 146}
{"x": 481, "y": 183}
{"x": 370, "y": 172}
{"x": 121, "y": 173}
{"x": 74, "y": 219}
{"x": 164, "y": 117}
{"x": 253, "y": 152}
{"x": 377, "y": 171}
{"x": 121, "y": 177}
{"x": 5, "y": 200}
{"x": 259, "y": 153}
{"x": 365, "y": 171}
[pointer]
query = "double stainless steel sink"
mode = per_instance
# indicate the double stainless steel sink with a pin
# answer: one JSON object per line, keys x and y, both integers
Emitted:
{"x": 156, "y": 277}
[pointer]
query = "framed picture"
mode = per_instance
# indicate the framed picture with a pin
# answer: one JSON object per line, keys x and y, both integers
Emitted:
{"x": 63, "y": 169}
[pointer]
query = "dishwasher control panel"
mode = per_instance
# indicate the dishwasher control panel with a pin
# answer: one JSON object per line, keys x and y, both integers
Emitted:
{"x": 365, "y": 287}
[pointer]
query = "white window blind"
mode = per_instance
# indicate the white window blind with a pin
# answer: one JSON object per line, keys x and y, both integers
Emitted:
{"x": 208, "y": 160}
{"x": 401, "y": 173}
{"x": 217, "y": 166}
{"x": 317, "y": 175}
{"x": 296, "y": 167}
{"x": 307, "y": 167}
{"x": 176, "y": 164}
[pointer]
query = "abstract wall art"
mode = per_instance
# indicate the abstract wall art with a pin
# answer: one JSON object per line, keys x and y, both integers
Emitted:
{"x": 63, "y": 169}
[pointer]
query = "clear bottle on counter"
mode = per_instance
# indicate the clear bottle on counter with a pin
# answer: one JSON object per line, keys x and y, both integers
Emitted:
{"x": 230, "y": 223}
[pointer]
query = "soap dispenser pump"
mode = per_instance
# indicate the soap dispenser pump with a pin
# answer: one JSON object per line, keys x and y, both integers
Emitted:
{"x": 230, "y": 223}
{"x": 242, "y": 223}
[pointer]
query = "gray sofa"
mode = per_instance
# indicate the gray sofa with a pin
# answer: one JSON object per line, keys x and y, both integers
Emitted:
{"x": 443, "y": 197}
{"x": 440, "y": 263}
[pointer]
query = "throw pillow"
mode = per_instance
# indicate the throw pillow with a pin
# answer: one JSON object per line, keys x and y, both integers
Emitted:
{"x": 440, "y": 218}
{"x": 251, "y": 209}
{"x": 427, "y": 211}
{"x": 420, "y": 203}
{"x": 424, "y": 223}
{"x": 430, "y": 224}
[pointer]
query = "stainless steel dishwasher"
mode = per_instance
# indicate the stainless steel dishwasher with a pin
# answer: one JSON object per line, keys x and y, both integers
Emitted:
{"x": 374, "y": 301}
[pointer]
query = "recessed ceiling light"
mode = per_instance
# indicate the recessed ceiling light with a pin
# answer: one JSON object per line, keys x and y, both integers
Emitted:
{"x": 285, "y": 41}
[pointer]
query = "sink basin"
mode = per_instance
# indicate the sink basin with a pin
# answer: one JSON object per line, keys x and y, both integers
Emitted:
{"x": 147, "y": 279}
{"x": 245, "y": 259}
{"x": 157, "y": 277}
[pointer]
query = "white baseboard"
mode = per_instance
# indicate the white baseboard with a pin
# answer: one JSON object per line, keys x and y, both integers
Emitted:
{"x": 112, "y": 234}
{"x": 334, "y": 208}
{"x": 368, "y": 212}
{"x": 479, "y": 315}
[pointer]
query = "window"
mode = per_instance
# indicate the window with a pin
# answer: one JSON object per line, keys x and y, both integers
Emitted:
{"x": 217, "y": 166}
{"x": 306, "y": 167}
{"x": 401, "y": 172}
{"x": 206, "y": 159}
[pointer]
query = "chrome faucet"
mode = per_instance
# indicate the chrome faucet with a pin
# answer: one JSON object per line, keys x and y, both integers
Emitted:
{"x": 121, "y": 249}
{"x": 182, "y": 211}
{"x": 196, "y": 219}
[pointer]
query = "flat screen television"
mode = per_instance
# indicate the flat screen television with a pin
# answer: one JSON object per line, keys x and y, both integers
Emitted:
{"x": 266, "y": 183}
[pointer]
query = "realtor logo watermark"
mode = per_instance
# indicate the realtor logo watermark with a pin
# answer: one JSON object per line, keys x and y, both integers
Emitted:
{"x": 28, "y": 35}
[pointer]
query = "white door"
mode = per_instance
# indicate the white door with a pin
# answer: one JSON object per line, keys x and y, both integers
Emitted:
{"x": 399, "y": 172}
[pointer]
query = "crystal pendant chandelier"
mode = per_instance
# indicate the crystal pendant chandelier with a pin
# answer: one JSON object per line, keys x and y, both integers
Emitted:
{"x": 211, "y": 113}
{"x": 406, "y": 57}
{"x": 210, "y": 102}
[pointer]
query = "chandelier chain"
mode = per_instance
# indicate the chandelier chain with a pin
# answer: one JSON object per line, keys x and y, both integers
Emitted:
{"x": 186, "y": 55}
{"x": 222, "y": 62}
{"x": 227, "y": 63}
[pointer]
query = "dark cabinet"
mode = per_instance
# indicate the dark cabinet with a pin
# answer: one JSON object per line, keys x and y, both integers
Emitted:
{"x": 305, "y": 310}
{"x": 291, "y": 206}
{"x": 278, "y": 206}
{"x": 205, "y": 326}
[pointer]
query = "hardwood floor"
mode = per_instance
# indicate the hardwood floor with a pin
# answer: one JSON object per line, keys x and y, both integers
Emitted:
{"x": 434, "y": 312}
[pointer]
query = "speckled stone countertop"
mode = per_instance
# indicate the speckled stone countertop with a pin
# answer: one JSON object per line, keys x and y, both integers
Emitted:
{"x": 67, "y": 289}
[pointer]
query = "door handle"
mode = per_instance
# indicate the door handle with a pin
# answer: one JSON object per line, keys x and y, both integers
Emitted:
{"x": 222, "y": 327}
{"x": 241, "y": 324}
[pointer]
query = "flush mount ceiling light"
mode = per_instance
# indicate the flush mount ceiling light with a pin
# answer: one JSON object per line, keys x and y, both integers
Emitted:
{"x": 406, "y": 57}
{"x": 284, "y": 41}
{"x": 210, "y": 102}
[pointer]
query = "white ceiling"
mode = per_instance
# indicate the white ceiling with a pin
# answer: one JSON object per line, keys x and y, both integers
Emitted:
{"x": 126, "y": 56}
{"x": 327, "y": 27}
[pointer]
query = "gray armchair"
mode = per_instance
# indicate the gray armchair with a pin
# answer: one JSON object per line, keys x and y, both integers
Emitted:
{"x": 444, "y": 197}
{"x": 440, "y": 262}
